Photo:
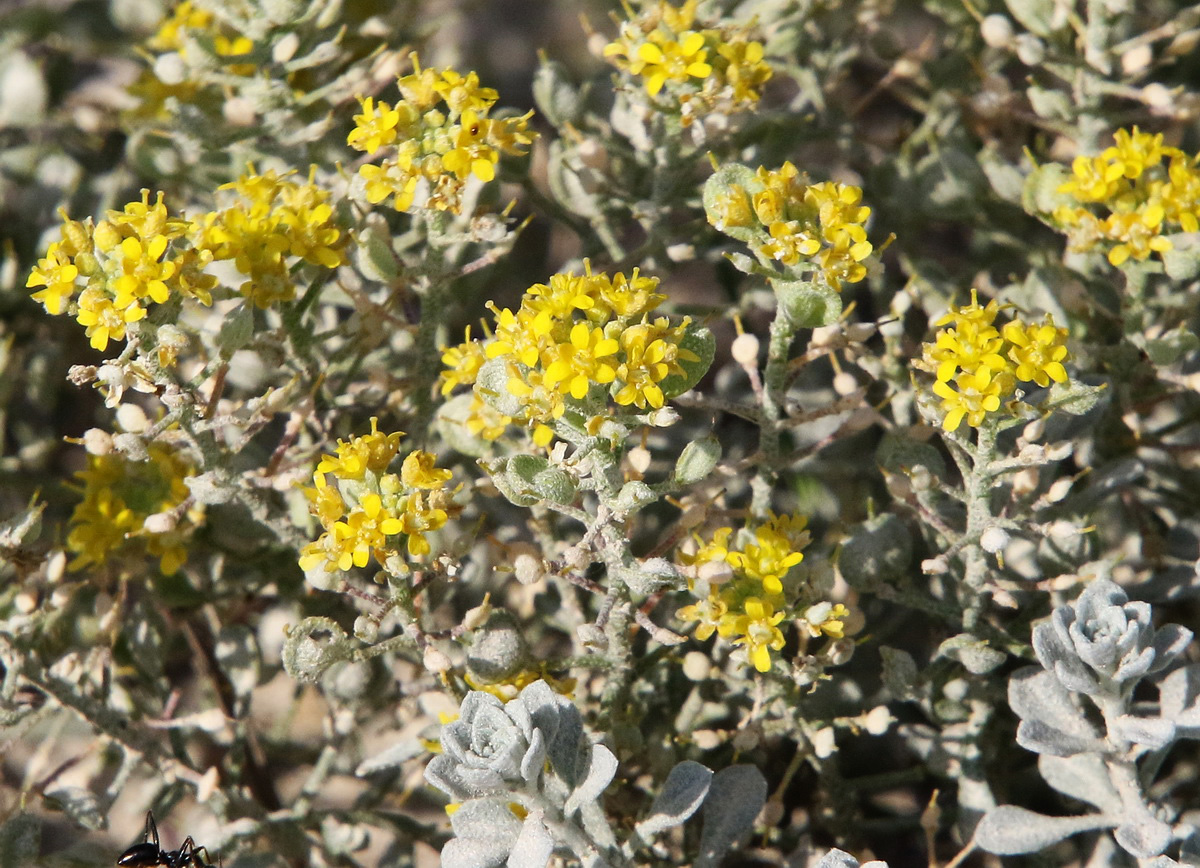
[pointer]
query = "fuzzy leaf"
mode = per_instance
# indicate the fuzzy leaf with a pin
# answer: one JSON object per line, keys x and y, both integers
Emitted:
{"x": 474, "y": 853}
{"x": 601, "y": 768}
{"x": 1179, "y": 700}
{"x": 561, "y": 725}
{"x": 808, "y": 305}
{"x": 734, "y": 799}
{"x": 533, "y": 847}
{"x": 697, "y": 460}
{"x": 900, "y": 674}
{"x": 237, "y": 652}
{"x": 400, "y": 752}
{"x": 1170, "y": 641}
{"x": 681, "y": 795}
{"x": 878, "y": 550}
{"x": 312, "y": 646}
{"x": 1074, "y": 397}
{"x": 1009, "y": 831}
{"x": 1149, "y": 732}
{"x": 1144, "y": 838}
{"x": 557, "y": 98}
{"x": 491, "y": 385}
{"x": 976, "y": 656}
{"x": 1050, "y": 722}
{"x": 1083, "y": 777}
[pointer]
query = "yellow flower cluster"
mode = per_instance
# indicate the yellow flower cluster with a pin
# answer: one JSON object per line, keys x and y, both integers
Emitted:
{"x": 812, "y": 227}
{"x": 362, "y": 508}
{"x": 748, "y": 605}
{"x": 120, "y": 494}
{"x": 188, "y": 24}
{"x": 977, "y": 365}
{"x": 704, "y": 69}
{"x": 108, "y": 274}
{"x": 573, "y": 333}
{"x": 273, "y": 224}
{"x": 431, "y": 152}
{"x": 1130, "y": 196}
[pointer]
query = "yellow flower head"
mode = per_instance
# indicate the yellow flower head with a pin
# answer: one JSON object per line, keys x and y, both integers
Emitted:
{"x": 371, "y": 452}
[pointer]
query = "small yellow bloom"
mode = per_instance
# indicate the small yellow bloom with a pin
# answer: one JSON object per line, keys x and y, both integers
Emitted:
{"x": 420, "y": 471}
{"x": 1038, "y": 351}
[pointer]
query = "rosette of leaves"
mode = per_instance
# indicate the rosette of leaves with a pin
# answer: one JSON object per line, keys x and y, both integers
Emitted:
{"x": 527, "y": 781}
{"x": 1095, "y": 743}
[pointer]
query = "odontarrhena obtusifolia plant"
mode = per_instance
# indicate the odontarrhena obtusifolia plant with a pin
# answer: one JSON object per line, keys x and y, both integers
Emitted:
{"x": 723, "y": 517}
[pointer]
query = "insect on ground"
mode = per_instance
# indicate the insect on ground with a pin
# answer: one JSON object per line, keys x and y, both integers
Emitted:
{"x": 149, "y": 854}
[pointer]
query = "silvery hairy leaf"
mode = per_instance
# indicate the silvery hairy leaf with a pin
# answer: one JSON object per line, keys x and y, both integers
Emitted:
{"x": 1050, "y": 722}
{"x": 1144, "y": 838}
{"x": 682, "y": 793}
{"x": 485, "y": 831}
{"x": 1009, "y": 831}
{"x": 1170, "y": 641}
{"x": 1149, "y": 732}
{"x": 561, "y": 725}
{"x": 533, "y": 846}
{"x": 841, "y": 859}
{"x": 399, "y": 753}
{"x": 1084, "y": 777}
{"x": 734, "y": 799}
{"x": 1179, "y": 700}
{"x": 1059, "y": 658}
{"x": 601, "y": 768}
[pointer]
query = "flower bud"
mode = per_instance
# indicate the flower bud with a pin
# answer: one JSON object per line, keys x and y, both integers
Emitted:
{"x": 996, "y": 30}
{"x": 993, "y": 540}
{"x": 97, "y": 442}
{"x": 745, "y": 350}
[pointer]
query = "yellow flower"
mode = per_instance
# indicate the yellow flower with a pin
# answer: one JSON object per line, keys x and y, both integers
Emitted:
{"x": 364, "y": 529}
{"x": 709, "y": 612}
{"x": 745, "y": 70}
{"x": 463, "y": 94}
{"x": 103, "y": 320}
{"x": 662, "y": 59}
{"x": 462, "y": 364}
{"x": 371, "y": 452}
{"x": 586, "y": 359}
{"x": 1135, "y": 152}
{"x": 374, "y": 127}
{"x": 57, "y": 273}
{"x": 421, "y": 142}
{"x": 1038, "y": 351}
{"x": 1137, "y": 235}
{"x": 651, "y": 354}
{"x": 471, "y": 154}
{"x": 419, "y": 471}
{"x": 768, "y": 559}
{"x": 142, "y": 275}
{"x": 978, "y": 394}
{"x": 755, "y": 627}
{"x": 421, "y": 515}
{"x": 826, "y": 619}
{"x": 119, "y": 495}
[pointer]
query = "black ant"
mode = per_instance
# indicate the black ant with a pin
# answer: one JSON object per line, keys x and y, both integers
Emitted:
{"x": 149, "y": 854}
